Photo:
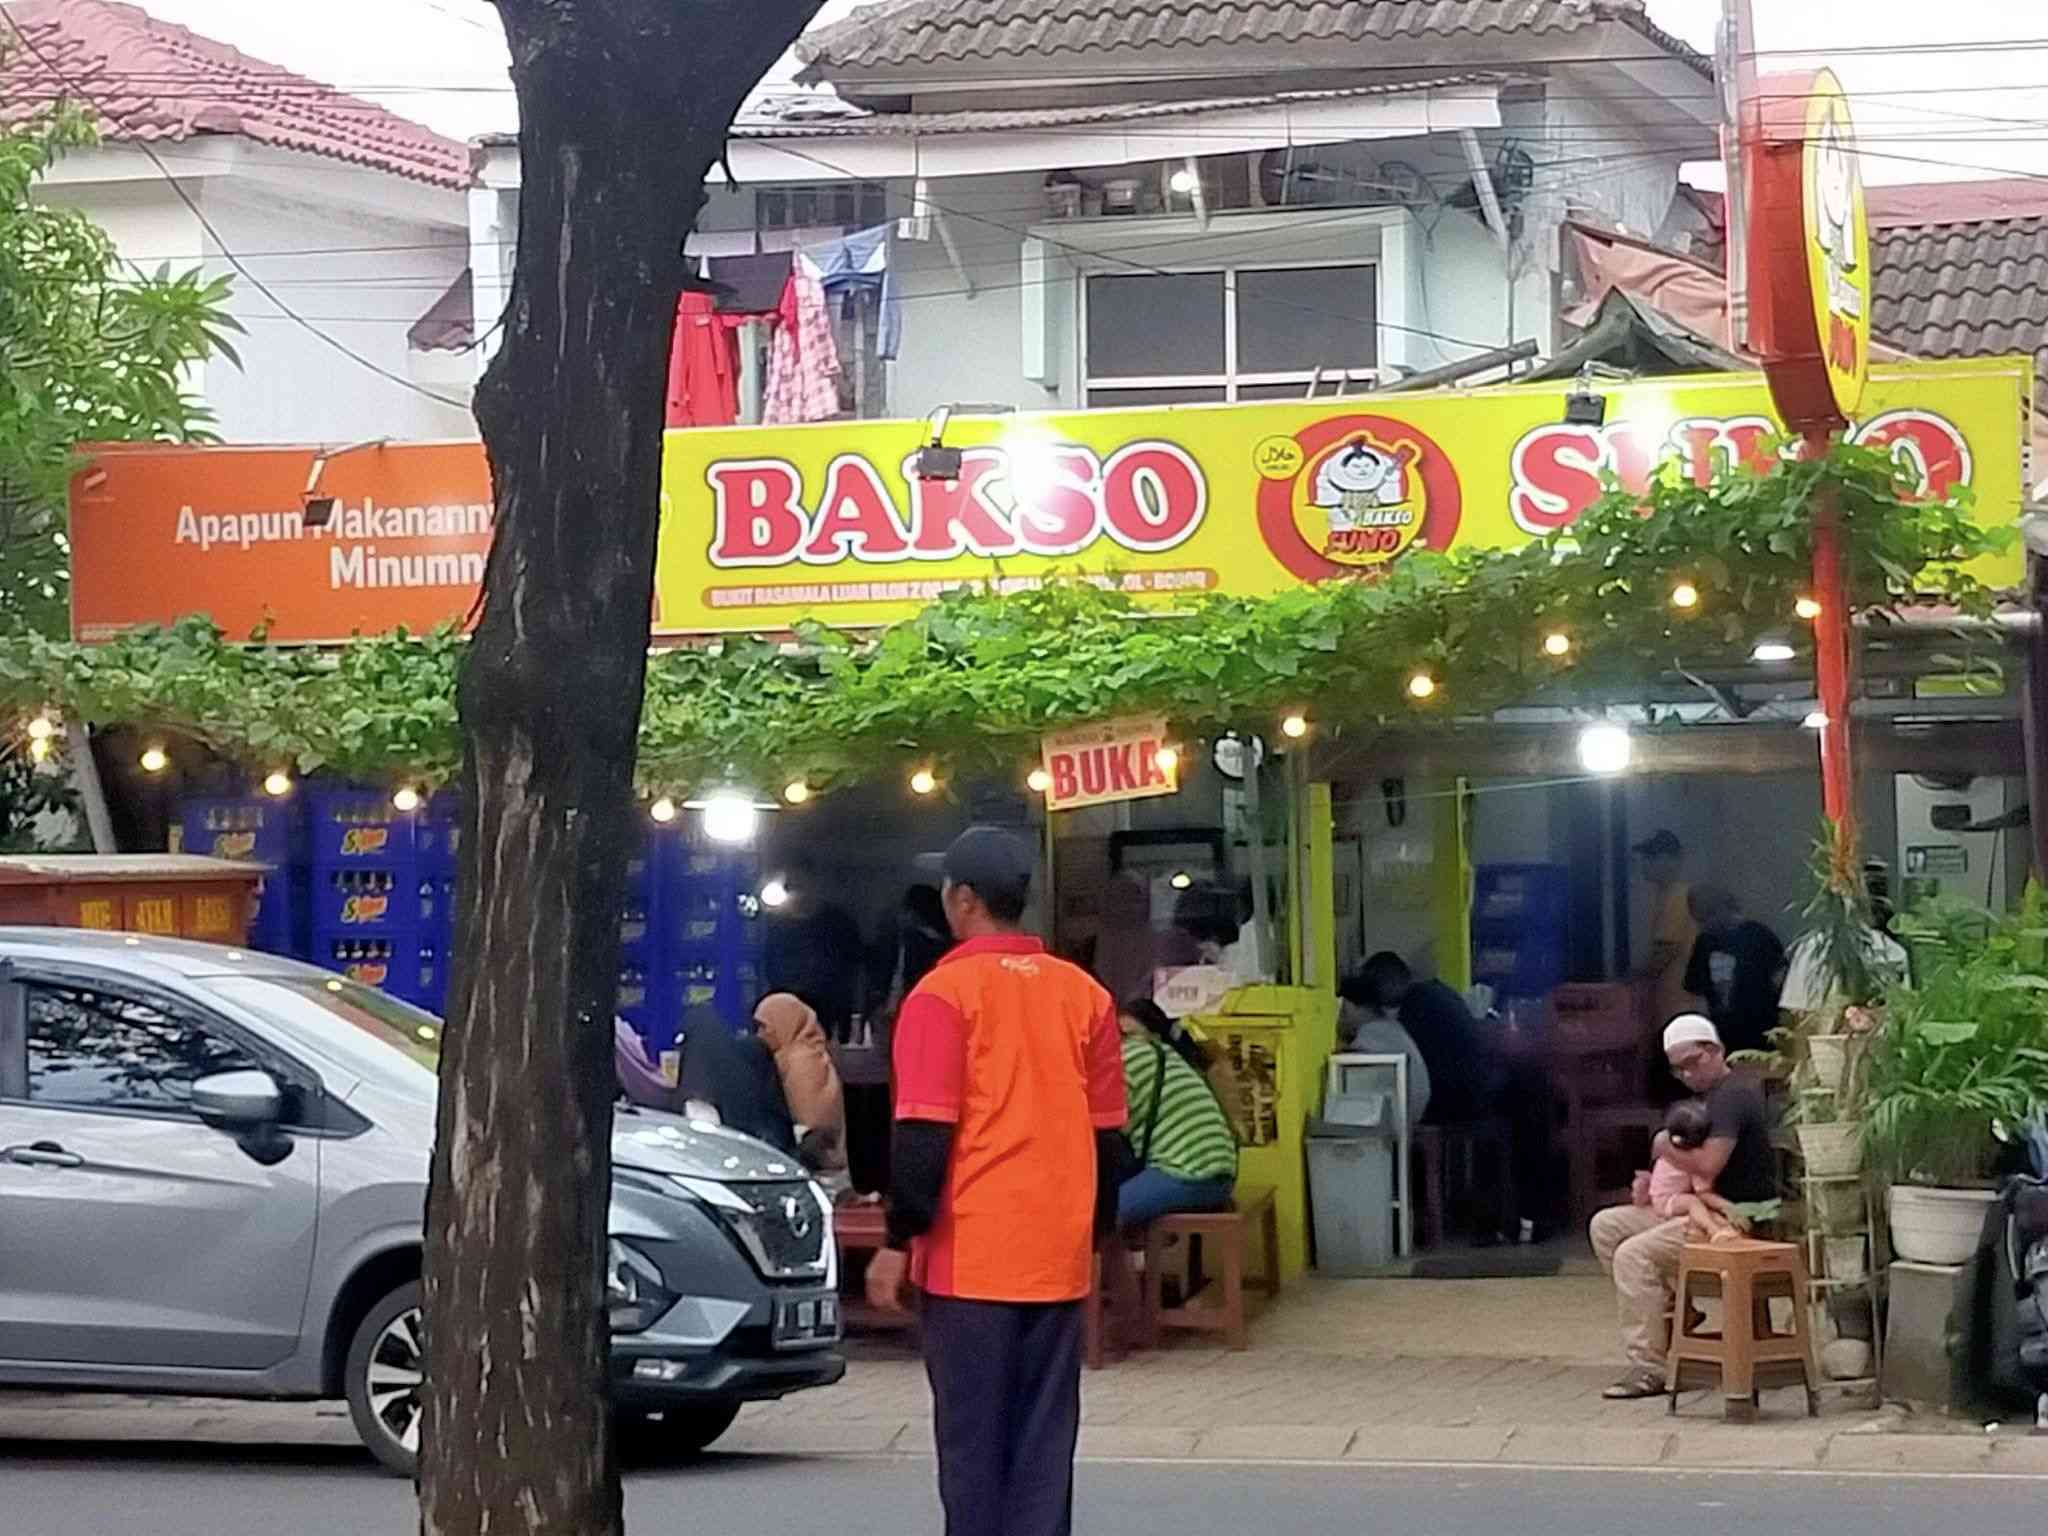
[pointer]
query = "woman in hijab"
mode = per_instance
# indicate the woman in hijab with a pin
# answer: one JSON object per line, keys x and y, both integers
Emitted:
{"x": 810, "y": 1082}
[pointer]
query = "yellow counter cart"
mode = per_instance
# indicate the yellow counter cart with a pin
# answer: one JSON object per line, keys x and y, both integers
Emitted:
{"x": 1277, "y": 1039}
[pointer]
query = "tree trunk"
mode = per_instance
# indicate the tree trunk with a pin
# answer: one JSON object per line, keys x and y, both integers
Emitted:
{"x": 624, "y": 106}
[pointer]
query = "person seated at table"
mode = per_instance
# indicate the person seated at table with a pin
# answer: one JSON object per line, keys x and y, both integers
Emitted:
{"x": 1186, "y": 1151}
{"x": 1367, "y": 1029}
{"x": 731, "y": 1080}
{"x": 810, "y": 1081}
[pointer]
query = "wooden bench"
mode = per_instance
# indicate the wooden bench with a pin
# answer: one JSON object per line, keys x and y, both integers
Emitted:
{"x": 1223, "y": 1234}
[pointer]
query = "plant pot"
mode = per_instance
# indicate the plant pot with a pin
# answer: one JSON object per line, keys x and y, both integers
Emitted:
{"x": 1846, "y": 1256}
{"x": 1937, "y": 1226}
{"x": 1835, "y": 1208}
{"x": 1829, "y": 1055}
{"x": 1832, "y": 1150}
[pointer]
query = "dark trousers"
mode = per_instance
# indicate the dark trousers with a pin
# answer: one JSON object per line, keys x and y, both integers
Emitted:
{"x": 1006, "y": 1406}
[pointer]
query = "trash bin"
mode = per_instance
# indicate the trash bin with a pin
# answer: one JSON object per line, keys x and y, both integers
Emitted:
{"x": 1351, "y": 1196}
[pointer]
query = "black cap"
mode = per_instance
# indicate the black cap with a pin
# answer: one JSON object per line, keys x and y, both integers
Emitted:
{"x": 1662, "y": 844}
{"x": 990, "y": 861}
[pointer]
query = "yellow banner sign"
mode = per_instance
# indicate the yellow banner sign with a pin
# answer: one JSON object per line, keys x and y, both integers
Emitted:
{"x": 1109, "y": 761}
{"x": 765, "y": 526}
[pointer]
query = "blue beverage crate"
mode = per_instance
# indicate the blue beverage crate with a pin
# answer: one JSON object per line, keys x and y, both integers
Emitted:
{"x": 1521, "y": 898}
{"x": 262, "y": 828}
{"x": 438, "y": 840}
{"x": 376, "y": 901}
{"x": 404, "y": 965}
{"x": 1530, "y": 968}
{"x": 354, "y": 827}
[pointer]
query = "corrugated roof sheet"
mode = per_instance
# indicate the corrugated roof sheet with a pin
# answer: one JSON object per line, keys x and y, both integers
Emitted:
{"x": 920, "y": 124}
{"x": 898, "y": 32}
{"x": 1974, "y": 288}
{"x": 148, "y": 80}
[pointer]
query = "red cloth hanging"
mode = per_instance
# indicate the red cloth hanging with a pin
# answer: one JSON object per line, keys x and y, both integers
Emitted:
{"x": 703, "y": 367}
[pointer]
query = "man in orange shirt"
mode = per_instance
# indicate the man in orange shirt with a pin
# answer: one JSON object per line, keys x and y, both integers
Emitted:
{"x": 1009, "y": 1091}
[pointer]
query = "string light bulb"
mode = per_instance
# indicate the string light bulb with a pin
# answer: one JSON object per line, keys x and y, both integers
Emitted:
{"x": 1807, "y": 608}
{"x": 1166, "y": 759}
{"x": 1557, "y": 643}
{"x": 1038, "y": 781}
{"x": 663, "y": 810}
{"x": 277, "y": 783}
{"x": 406, "y": 800}
{"x": 923, "y": 782}
{"x": 41, "y": 728}
{"x": 155, "y": 759}
{"x": 1685, "y": 595}
{"x": 796, "y": 791}
{"x": 1294, "y": 727}
{"x": 1421, "y": 686}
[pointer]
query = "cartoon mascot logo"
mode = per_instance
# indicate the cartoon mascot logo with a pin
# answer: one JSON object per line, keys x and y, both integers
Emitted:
{"x": 1351, "y": 494}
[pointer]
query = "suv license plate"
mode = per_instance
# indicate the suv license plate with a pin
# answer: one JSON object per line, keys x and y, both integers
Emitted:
{"x": 814, "y": 1320}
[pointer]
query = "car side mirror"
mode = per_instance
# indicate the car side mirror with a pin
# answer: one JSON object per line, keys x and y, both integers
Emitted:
{"x": 238, "y": 1100}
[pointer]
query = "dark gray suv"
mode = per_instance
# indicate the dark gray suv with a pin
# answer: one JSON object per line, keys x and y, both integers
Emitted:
{"x": 213, "y": 1165}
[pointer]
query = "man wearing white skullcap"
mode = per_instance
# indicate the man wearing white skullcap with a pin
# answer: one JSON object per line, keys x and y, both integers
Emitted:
{"x": 1640, "y": 1248}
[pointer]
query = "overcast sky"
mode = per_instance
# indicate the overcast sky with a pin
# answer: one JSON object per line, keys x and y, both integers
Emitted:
{"x": 1923, "y": 115}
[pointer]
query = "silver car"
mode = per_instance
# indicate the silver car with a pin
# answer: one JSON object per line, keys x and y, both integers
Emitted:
{"x": 213, "y": 1170}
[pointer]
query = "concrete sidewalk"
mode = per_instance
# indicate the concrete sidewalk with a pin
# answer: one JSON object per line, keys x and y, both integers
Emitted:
{"x": 1501, "y": 1372}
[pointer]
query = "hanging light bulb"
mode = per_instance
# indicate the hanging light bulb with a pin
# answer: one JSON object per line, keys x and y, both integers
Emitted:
{"x": 1183, "y": 182}
{"x": 1605, "y": 749}
{"x": 1807, "y": 608}
{"x": 406, "y": 800}
{"x": 155, "y": 759}
{"x": 730, "y": 817}
{"x": 663, "y": 810}
{"x": 1038, "y": 781}
{"x": 1294, "y": 727}
{"x": 1181, "y": 880}
{"x": 1557, "y": 643}
{"x": 1685, "y": 595}
{"x": 1421, "y": 686}
{"x": 277, "y": 783}
{"x": 1166, "y": 759}
{"x": 775, "y": 893}
{"x": 923, "y": 782}
{"x": 796, "y": 791}
{"x": 41, "y": 728}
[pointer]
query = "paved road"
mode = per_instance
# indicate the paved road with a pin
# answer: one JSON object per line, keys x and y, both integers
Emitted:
{"x": 92, "y": 1491}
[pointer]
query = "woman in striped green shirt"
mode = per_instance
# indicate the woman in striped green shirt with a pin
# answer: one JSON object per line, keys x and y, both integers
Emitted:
{"x": 1186, "y": 1145}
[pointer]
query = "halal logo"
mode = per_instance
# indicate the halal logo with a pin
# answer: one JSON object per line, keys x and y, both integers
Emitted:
{"x": 1351, "y": 494}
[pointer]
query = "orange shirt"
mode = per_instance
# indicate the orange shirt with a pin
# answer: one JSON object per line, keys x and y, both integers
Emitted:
{"x": 1018, "y": 1051}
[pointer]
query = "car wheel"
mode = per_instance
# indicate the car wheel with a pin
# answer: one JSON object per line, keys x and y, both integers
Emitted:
{"x": 674, "y": 1433}
{"x": 384, "y": 1378}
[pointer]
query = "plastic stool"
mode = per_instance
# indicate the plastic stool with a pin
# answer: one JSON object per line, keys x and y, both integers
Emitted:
{"x": 1747, "y": 1354}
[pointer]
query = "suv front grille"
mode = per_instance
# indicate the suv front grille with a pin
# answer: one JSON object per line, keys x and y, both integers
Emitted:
{"x": 786, "y": 1231}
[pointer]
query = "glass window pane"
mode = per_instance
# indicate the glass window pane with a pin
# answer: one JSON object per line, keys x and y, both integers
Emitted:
{"x": 1191, "y": 394}
{"x": 1296, "y": 391}
{"x": 1146, "y": 325}
{"x": 93, "y": 1050}
{"x": 1298, "y": 317}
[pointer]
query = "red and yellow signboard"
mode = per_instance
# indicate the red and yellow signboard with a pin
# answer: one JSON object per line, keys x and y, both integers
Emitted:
{"x": 1809, "y": 248}
{"x": 763, "y": 527}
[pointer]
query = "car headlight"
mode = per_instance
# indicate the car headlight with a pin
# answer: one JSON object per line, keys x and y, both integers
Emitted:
{"x": 785, "y": 1229}
{"x": 635, "y": 1294}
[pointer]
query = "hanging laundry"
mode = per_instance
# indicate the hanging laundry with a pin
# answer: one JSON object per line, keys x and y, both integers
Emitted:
{"x": 803, "y": 363}
{"x": 703, "y": 367}
{"x": 862, "y": 261}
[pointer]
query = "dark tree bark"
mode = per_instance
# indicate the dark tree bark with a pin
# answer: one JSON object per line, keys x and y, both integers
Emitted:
{"x": 624, "y": 106}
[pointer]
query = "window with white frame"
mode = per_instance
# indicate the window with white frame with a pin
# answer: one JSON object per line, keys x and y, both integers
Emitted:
{"x": 1238, "y": 333}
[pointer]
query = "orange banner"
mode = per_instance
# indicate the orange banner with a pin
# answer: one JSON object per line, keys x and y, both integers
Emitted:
{"x": 158, "y": 532}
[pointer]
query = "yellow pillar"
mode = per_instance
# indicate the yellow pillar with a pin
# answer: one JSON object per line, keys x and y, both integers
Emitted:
{"x": 1451, "y": 894}
{"x": 1318, "y": 972}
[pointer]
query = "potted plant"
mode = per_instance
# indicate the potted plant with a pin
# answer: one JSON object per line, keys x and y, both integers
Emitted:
{"x": 1830, "y": 1141}
{"x": 1961, "y": 1054}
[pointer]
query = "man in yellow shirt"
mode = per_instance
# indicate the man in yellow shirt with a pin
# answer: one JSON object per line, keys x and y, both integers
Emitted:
{"x": 1672, "y": 929}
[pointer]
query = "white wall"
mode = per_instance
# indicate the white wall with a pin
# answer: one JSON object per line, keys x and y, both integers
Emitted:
{"x": 362, "y": 281}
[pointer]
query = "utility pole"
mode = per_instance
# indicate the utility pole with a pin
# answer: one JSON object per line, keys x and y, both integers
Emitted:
{"x": 1735, "y": 79}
